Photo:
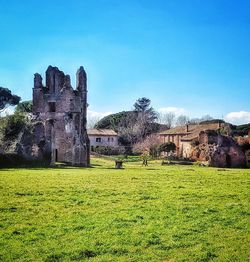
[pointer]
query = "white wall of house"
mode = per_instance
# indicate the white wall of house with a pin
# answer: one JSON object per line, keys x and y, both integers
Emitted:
{"x": 96, "y": 140}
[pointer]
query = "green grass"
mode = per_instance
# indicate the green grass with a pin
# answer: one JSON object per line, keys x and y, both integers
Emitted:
{"x": 157, "y": 213}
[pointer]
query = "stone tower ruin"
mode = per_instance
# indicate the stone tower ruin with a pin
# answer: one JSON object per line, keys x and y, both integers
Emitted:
{"x": 62, "y": 111}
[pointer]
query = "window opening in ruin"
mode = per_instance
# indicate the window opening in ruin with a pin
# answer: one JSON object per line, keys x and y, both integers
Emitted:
{"x": 54, "y": 83}
{"x": 98, "y": 139}
{"x": 52, "y": 107}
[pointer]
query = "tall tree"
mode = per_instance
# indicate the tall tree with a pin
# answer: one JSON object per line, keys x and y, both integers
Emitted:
{"x": 143, "y": 108}
{"x": 142, "y": 104}
{"x": 137, "y": 124}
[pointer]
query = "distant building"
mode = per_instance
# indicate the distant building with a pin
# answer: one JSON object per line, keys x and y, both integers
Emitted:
{"x": 182, "y": 136}
{"x": 102, "y": 137}
{"x": 202, "y": 142}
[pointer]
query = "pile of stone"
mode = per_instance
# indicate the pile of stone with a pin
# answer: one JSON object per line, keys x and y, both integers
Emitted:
{"x": 225, "y": 153}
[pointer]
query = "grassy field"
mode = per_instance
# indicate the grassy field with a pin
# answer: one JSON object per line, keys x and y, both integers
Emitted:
{"x": 155, "y": 213}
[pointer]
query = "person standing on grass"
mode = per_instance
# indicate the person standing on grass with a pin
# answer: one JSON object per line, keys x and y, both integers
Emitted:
{"x": 144, "y": 159}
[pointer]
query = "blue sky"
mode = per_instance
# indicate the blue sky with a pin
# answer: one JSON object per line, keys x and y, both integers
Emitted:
{"x": 188, "y": 56}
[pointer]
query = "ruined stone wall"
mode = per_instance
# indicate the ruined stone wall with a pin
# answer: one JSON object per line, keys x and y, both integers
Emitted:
{"x": 218, "y": 151}
{"x": 62, "y": 110}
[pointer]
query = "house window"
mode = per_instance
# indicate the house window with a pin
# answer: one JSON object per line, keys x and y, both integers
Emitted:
{"x": 52, "y": 106}
{"x": 112, "y": 139}
{"x": 98, "y": 140}
{"x": 108, "y": 139}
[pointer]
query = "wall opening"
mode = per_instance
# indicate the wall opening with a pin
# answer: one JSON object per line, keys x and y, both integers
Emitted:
{"x": 56, "y": 155}
{"x": 228, "y": 161}
{"x": 52, "y": 106}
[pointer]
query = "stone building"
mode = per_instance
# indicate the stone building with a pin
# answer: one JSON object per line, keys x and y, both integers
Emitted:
{"x": 202, "y": 142}
{"x": 182, "y": 136}
{"x": 218, "y": 150}
{"x": 241, "y": 140}
{"x": 60, "y": 111}
{"x": 103, "y": 137}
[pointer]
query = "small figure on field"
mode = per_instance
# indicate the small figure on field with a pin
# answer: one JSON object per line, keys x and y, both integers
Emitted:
{"x": 144, "y": 159}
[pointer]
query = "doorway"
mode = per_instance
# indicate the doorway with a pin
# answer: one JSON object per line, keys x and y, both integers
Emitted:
{"x": 56, "y": 155}
{"x": 228, "y": 161}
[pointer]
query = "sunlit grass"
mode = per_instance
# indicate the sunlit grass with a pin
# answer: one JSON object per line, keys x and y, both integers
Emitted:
{"x": 157, "y": 213}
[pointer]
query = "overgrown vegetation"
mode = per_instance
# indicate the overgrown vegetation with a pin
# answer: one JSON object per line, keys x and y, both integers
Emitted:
{"x": 24, "y": 107}
{"x": 155, "y": 213}
{"x": 241, "y": 130}
{"x": 10, "y": 126}
{"x": 108, "y": 150}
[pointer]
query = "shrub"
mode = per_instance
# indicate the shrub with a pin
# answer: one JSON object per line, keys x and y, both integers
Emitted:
{"x": 12, "y": 125}
{"x": 154, "y": 151}
{"x": 167, "y": 147}
{"x": 149, "y": 144}
{"x": 108, "y": 150}
{"x": 24, "y": 107}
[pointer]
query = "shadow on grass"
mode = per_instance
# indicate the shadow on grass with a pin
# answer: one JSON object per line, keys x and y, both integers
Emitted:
{"x": 8, "y": 161}
{"x": 43, "y": 166}
{"x": 113, "y": 168}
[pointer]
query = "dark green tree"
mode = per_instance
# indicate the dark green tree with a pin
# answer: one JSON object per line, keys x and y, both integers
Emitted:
{"x": 24, "y": 107}
{"x": 167, "y": 147}
{"x": 112, "y": 121}
{"x": 7, "y": 98}
{"x": 142, "y": 105}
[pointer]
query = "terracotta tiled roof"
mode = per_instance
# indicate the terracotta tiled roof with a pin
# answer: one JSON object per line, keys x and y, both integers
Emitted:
{"x": 101, "y": 132}
{"x": 179, "y": 130}
{"x": 191, "y": 136}
{"x": 191, "y": 132}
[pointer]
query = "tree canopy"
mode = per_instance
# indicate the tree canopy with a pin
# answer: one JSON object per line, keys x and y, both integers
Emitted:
{"x": 24, "y": 107}
{"x": 142, "y": 106}
{"x": 7, "y": 98}
{"x": 112, "y": 121}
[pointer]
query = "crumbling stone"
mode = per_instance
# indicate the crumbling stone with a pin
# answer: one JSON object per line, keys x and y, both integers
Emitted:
{"x": 218, "y": 151}
{"x": 62, "y": 112}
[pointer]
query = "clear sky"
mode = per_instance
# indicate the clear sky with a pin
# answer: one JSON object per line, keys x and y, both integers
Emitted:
{"x": 188, "y": 56}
